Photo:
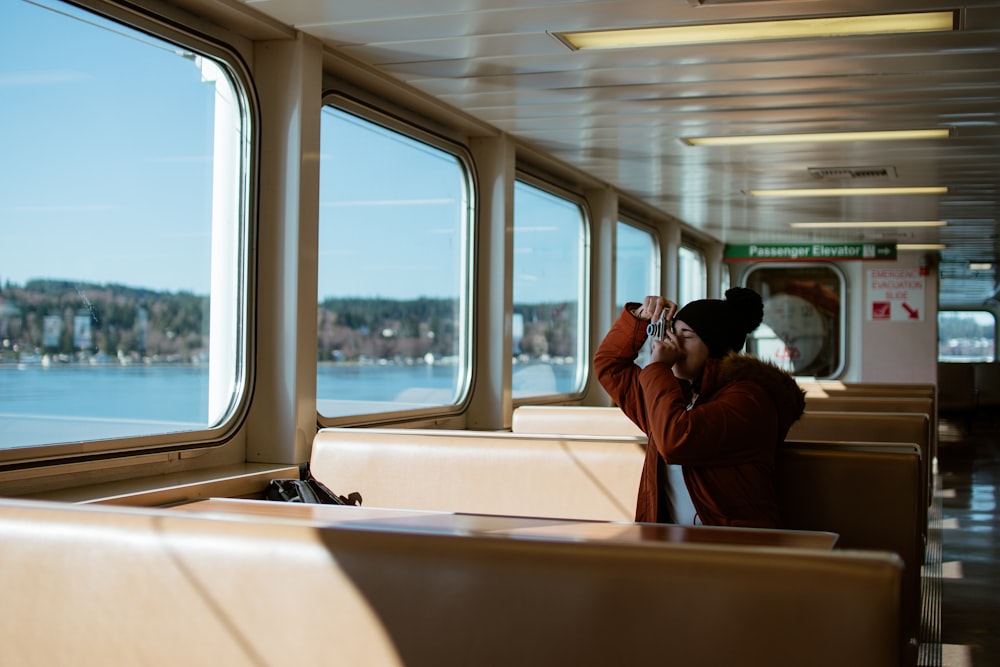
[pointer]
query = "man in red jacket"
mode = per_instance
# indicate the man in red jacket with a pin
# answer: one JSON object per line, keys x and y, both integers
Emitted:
{"x": 718, "y": 414}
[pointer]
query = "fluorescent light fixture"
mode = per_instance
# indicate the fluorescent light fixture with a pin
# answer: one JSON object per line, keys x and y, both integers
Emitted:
{"x": 866, "y": 225}
{"x": 920, "y": 246}
{"x": 817, "y": 137}
{"x": 848, "y": 192}
{"x": 750, "y": 31}
{"x": 980, "y": 266}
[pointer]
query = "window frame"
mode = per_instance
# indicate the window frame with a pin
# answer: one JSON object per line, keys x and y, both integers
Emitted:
{"x": 549, "y": 185}
{"x": 657, "y": 252}
{"x": 842, "y": 319}
{"x": 162, "y": 447}
{"x": 418, "y": 130}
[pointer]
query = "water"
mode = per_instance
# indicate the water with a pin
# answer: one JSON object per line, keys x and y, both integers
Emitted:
{"x": 42, "y": 405}
{"x": 382, "y": 382}
{"x": 162, "y": 393}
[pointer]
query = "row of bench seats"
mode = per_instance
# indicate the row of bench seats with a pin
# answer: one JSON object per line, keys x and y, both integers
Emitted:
{"x": 923, "y": 405}
{"x": 565, "y": 474}
{"x": 852, "y": 470}
{"x": 915, "y": 402}
{"x": 819, "y": 423}
{"x": 92, "y": 586}
{"x": 875, "y": 397}
{"x": 596, "y": 477}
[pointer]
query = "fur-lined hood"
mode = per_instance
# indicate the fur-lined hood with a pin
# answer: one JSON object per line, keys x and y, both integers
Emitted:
{"x": 789, "y": 399}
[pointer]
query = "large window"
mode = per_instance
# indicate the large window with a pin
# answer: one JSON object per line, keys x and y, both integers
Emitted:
{"x": 803, "y": 315}
{"x": 966, "y": 335}
{"x": 394, "y": 242}
{"x": 637, "y": 265}
{"x": 550, "y": 354}
{"x": 123, "y": 230}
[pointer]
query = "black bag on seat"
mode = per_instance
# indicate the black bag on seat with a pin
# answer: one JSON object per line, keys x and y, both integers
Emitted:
{"x": 307, "y": 489}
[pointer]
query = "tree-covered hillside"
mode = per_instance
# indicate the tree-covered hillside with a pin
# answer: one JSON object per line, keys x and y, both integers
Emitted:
{"x": 66, "y": 318}
{"x": 74, "y": 320}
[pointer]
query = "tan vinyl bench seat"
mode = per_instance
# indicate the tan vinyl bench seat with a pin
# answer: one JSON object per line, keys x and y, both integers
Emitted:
{"x": 869, "y": 493}
{"x": 572, "y": 419}
{"x": 484, "y": 472}
{"x": 915, "y": 404}
{"x": 99, "y": 586}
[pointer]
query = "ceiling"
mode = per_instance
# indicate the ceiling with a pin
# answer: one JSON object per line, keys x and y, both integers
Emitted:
{"x": 619, "y": 114}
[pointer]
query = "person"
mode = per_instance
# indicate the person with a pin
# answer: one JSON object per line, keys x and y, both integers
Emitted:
{"x": 718, "y": 414}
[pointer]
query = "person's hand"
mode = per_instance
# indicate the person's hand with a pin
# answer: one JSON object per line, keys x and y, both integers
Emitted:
{"x": 653, "y": 307}
{"x": 666, "y": 351}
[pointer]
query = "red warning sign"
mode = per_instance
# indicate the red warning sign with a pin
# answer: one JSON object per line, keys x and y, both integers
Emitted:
{"x": 896, "y": 295}
{"x": 881, "y": 310}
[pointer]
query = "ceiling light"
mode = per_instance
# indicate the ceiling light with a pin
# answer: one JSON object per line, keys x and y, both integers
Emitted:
{"x": 920, "y": 246}
{"x": 833, "y": 26}
{"x": 847, "y": 192}
{"x": 980, "y": 266}
{"x": 864, "y": 225}
{"x": 746, "y": 140}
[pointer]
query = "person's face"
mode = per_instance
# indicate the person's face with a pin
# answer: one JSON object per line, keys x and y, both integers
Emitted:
{"x": 694, "y": 352}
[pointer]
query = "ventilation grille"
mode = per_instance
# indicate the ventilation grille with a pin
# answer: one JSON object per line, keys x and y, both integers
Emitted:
{"x": 844, "y": 173}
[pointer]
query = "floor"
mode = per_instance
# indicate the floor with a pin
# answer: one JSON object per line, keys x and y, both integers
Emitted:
{"x": 966, "y": 493}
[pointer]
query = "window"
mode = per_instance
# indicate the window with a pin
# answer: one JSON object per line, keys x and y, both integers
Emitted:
{"x": 966, "y": 335}
{"x": 549, "y": 277}
{"x": 124, "y": 182}
{"x": 803, "y": 316}
{"x": 394, "y": 243}
{"x": 637, "y": 265}
{"x": 693, "y": 281}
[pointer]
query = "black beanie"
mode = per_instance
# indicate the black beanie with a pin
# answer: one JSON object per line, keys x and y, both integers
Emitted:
{"x": 723, "y": 325}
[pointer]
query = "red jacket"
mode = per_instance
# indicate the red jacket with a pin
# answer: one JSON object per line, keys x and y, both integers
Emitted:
{"x": 725, "y": 443}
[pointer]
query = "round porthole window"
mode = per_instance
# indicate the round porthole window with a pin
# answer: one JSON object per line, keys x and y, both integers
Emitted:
{"x": 793, "y": 332}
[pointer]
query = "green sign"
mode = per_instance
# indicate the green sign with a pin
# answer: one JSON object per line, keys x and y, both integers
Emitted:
{"x": 837, "y": 252}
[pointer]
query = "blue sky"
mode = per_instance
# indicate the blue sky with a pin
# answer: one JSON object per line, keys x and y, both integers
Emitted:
{"x": 390, "y": 213}
{"x": 85, "y": 141}
{"x": 106, "y": 140}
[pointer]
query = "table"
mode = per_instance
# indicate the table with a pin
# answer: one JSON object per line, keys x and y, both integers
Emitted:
{"x": 374, "y": 518}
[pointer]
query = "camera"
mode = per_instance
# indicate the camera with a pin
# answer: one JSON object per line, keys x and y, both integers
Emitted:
{"x": 659, "y": 329}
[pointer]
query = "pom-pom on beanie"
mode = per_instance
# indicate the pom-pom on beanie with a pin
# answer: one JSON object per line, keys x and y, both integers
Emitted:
{"x": 723, "y": 325}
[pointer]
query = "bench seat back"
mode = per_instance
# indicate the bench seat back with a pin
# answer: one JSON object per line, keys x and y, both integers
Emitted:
{"x": 572, "y": 419}
{"x": 918, "y": 404}
{"x": 905, "y": 427}
{"x": 484, "y": 472}
{"x": 832, "y": 387}
{"x": 113, "y": 586}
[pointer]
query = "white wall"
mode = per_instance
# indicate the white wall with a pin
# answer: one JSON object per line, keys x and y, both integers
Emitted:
{"x": 895, "y": 351}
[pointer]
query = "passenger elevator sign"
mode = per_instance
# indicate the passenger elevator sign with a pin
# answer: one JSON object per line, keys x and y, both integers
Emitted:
{"x": 810, "y": 252}
{"x": 896, "y": 295}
